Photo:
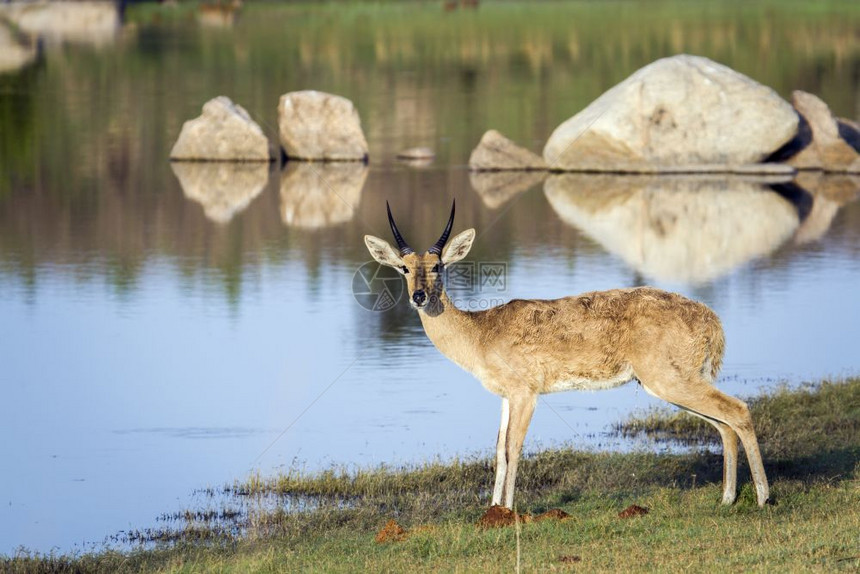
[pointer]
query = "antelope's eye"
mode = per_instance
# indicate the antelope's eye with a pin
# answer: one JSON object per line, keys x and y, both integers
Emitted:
{"x": 405, "y": 270}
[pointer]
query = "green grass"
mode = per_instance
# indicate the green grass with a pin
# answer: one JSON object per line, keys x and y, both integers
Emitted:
{"x": 813, "y": 528}
{"x": 810, "y": 439}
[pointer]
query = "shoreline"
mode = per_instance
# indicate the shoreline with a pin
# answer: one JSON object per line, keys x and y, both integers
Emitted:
{"x": 813, "y": 467}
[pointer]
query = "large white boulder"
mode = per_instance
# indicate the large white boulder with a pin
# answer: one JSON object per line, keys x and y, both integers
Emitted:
{"x": 678, "y": 111}
{"x": 317, "y": 126}
{"x": 224, "y": 132}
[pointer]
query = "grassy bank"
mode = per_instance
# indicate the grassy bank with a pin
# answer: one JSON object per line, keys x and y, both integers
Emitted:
{"x": 810, "y": 438}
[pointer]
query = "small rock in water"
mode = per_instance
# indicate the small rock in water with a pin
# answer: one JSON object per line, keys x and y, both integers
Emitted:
{"x": 224, "y": 132}
{"x": 417, "y": 153}
{"x": 317, "y": 126}
{"x": 819, "y": 143}
{"x": 495, "y": 152}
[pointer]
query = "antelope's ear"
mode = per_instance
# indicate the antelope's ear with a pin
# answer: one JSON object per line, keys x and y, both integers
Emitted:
{"x": 458, "y": 247}
{"x": 382, "y": 251}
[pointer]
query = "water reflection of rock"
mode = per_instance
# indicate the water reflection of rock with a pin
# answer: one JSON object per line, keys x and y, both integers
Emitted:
{"x": 830, "y": 193}
{"x": 317, "y": 195}
{"x": 677, "y": 229}
{"x": 498, "y": 187}
{"x": 224, "y": 189}
{"x": 93, "y": 22}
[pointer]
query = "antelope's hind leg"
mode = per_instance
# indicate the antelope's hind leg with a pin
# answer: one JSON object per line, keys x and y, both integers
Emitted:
{"x": 730, "y": 457}
{"x": 699, "y": 397}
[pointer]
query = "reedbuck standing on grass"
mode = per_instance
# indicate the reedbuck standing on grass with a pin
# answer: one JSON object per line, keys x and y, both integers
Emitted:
{"x": 527, "y": 347}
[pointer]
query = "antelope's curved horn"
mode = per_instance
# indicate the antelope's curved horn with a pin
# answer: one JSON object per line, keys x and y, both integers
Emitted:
{"x": 437, "y": 247}
{"x": 401, "y": 243}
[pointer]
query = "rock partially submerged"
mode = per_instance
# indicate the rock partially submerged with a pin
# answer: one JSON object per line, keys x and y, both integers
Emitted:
{"x": 224, "y": 132}
{"x": 416, "y": 153}
{"x": 316, "y": 126}
{"x": 495, "y": 152}
{"x": 820, "y": 138}
{"x": 678, "y": 111}
{"x": 417, "y": 157}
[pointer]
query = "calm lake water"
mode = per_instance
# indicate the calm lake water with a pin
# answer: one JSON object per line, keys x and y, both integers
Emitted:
{"x": 169, "y": 328}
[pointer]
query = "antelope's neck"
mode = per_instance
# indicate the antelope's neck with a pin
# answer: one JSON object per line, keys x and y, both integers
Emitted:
{"x": 451, "y": 331}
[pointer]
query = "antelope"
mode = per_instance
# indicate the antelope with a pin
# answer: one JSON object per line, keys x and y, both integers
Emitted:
{"x": 671, "y": 345}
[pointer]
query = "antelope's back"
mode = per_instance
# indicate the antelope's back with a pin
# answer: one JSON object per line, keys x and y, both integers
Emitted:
{"x": 603, "y": 335}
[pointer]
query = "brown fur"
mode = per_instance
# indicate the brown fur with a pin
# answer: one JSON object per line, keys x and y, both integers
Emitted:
{"x": 598, "y": 335}
{"x": 674, "y": 346}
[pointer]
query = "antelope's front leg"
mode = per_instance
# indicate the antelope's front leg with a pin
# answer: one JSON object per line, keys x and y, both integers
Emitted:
{"x": 521, "y": 409}
{"x": 501, "y": 457}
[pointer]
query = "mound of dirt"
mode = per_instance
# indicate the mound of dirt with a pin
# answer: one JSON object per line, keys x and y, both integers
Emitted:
{"x": 391, "y": 532}
{"x": 569, "y": 559}
{"x": 497, "y": 516}
{"x": 632, "y": 510}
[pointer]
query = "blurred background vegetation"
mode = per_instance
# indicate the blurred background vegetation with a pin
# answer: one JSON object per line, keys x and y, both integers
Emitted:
{"x": 85, "y": 132}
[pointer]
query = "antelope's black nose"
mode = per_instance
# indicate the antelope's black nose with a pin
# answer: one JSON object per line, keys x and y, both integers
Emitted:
{"x": 419, "y": 297}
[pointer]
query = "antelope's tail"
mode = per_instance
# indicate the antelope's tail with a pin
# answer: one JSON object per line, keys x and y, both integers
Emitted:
{"x": 715, "y": 347}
